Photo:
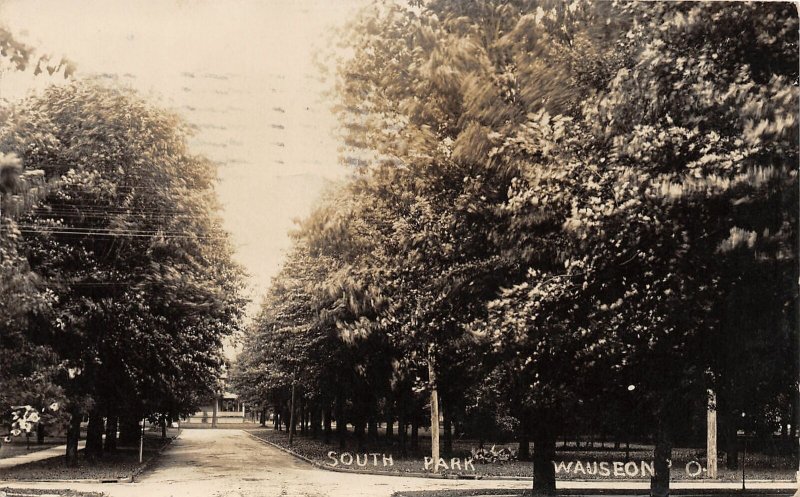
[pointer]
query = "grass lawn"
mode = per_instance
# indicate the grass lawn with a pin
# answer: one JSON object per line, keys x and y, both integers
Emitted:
{"x": 758, "y": 466}
{"x": 528, "y": 493}
{"x": 18, "y": 446}
{"x": 119, "y": 464}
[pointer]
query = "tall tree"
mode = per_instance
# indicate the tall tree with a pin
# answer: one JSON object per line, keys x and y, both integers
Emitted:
{"x": 131, "y": 246}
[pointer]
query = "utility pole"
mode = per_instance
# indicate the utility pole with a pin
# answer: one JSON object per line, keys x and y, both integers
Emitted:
{"x": 744, "y": 456}
{"x": 434, "y": 408}
{"x": 797, "y": 476}
{"x": 214, "y": 411}
{"x": 711, "y": 438}
{"x": 141, "y": 442}
{"x": 291, "y": 413}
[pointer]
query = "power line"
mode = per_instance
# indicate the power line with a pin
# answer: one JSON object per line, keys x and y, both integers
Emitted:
{"x": 114, "y": 230}
{"x": 54, "y": 203}
{"x": 107, "y": 215}
{"x": 113, "y": 234}
{"x": 88, "y": 209}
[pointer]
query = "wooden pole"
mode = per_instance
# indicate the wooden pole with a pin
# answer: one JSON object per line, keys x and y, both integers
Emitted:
{"x": 434, "y": 409}
{"x": 214, "y": 412}
{"x": 711, "y": 439}
{"x": 797, "y": 476}
{"x": 291, "y": 415}
{"x": 141, "y": 443}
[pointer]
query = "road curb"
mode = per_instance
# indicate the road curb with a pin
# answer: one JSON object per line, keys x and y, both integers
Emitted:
{"x": 790, "y": 484}
{"x": 149, "y": 461}
{"x": 376, "y": 473}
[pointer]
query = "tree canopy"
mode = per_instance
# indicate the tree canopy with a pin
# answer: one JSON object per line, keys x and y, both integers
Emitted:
{"x": 571, "y": 198}
{"x": 141, "y": 284}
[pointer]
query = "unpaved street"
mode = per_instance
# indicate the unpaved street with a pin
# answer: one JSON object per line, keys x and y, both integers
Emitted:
{"x": 229, "y": 463}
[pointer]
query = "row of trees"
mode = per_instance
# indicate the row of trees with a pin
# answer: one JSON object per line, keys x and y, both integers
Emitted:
{"x": 118, "y": 288}
{"x": 561, "y": 199}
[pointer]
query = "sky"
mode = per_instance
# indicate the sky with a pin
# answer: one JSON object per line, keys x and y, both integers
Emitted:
{"x": 240, "y": 71}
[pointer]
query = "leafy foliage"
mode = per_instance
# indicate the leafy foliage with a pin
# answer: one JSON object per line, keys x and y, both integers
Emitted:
{"x": 140, "y": 281}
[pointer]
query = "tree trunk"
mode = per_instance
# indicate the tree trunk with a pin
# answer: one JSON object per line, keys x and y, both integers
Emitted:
{"x": 40, "y": 433}
{"x": 262, "y": 416}
{"x": 327, "y": 423}
{"x": 359, "y": 429}
{"x": 402, "y": 430}
{"x": 659, "y": 483}
{"x": 448, "y": 431}
{"x": 73, "y": 437}
{"x": 291, "y": 415}
{"x": 711, "y": 435}
{"x": 731, "y": 444}
{"x": 214, "y": 412}
{"x": 163, "y": 429}
{"x": 524, "y": 451}
{"x": 544, "y": 451}
{"x": 301, "y": 418}
{"x": 341, "y": 424}
{"x": 414, "y": 433}
{"x": 94, "y": 436}
{"x": 372, "y": 428}
{"x": 111, "y": 434}
{"x": 315, "y": 421}
{"x": 434, "y": 408}
{"x": 302, "y": 415}
{"x": 389, "y": 425}
{"x": 129, "y": 430}
{"x": 795, "y": 418}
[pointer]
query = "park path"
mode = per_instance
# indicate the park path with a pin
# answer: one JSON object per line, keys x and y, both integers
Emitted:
{"x": 230, "y": 463}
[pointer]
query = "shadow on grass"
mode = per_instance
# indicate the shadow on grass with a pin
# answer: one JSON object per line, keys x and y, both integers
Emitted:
{"x": 119, "y": 464}
{"x": 20, "y": 492}
{"x": 528, "y": 493}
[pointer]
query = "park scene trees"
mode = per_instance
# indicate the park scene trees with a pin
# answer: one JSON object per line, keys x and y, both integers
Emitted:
{"x": 568, "y": 215}
{"x": 118, "y": 284}
{"x": 563, "y": 245}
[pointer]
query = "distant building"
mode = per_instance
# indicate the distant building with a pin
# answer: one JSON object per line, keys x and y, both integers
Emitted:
{"x": 227, "y": 407}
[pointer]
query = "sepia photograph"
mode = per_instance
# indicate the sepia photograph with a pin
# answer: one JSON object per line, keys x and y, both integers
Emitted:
{"x": 399, "y": 248}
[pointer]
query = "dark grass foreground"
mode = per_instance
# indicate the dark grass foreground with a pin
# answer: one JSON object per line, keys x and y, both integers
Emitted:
{"x": 758, "y": 466}
{"x": 529, "y": 493}
{"x": 19, "y": 492}
{"x": 120, "y": 464}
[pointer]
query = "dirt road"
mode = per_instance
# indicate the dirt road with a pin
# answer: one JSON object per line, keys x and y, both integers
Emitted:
{"x": 229, "y": 463}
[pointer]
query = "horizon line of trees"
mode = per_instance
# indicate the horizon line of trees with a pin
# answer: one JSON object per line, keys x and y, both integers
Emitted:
{"x": 554, "y": 201}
